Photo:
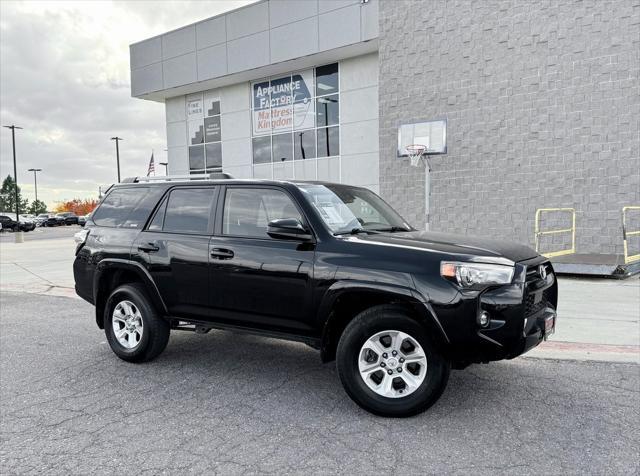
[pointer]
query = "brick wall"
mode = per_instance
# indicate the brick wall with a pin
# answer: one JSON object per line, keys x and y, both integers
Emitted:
{"x": 543, "y": 107}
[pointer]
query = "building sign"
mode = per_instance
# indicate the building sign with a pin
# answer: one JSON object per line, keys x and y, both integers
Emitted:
{"x": 212, "y": 129}
{"x": 283, "y": 104}
{"x": 194, "y": 107}
{"x": 205, "y": 135}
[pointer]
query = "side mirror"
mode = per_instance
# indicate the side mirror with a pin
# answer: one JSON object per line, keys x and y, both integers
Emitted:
{"x": 288, "y": 228}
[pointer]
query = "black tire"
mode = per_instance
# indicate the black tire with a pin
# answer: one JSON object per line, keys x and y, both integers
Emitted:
{"x": 155, "y": 334}
{"x": 358, "y": 331}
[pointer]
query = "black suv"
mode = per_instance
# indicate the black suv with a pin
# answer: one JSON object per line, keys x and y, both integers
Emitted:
{"x": 9, "y": 223}
{"x": 329, "y": 265}
{"x": 67, "y": 218}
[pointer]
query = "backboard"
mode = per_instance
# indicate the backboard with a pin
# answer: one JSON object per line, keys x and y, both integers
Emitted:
{"x": 432, "y": 134}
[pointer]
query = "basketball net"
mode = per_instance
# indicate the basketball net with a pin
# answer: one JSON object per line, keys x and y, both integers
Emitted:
{"x": 415, "y": 152}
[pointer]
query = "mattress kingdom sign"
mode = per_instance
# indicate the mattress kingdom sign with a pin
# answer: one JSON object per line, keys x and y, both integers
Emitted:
{"x": 283, "y": 104}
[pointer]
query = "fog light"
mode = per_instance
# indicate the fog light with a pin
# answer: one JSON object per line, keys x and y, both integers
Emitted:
{"x": 484, "y": 319}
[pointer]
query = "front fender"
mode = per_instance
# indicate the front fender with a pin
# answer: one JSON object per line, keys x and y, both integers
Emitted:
{"x": 380, "y": 293}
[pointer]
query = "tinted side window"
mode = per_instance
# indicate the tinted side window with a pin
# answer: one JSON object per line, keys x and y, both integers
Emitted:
{"x": 116, "y": 208}
{"x": 158, "y": 218}
{"x": 248, "y": 211}
{"x": 189, "y": 210}
{"x": 127, "y": 207}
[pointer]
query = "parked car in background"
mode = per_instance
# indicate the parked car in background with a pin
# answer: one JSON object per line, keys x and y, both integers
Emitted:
{"x": 82, "y": 220}
{"x": 47, "y": 219}
{"x": 26, "y": 223}
{"x": 8, "y": 223}
{"x": 67, "y": 218}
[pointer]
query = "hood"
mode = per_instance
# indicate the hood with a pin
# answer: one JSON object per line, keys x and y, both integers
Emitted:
{"x": 493, "y": 250}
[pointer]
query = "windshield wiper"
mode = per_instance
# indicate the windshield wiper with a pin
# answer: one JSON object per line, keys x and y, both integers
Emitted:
{"x": 354, "y": 231}
{"x": 392, "y": 229}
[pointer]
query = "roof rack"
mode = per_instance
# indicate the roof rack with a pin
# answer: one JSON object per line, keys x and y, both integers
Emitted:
{"x": 182, "y": 178}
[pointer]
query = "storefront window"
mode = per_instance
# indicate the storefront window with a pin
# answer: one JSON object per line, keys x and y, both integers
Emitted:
{"x": 305, "y": 144}
{"x": 282, "y": 147}
{"x": 262, "y": 150}
{"x": 295, "y": 117}
{"x": 328, "y": 142}
{"x": 328, "y": 110}
{"x": 327, "y": 79}
{"x": 205, "y": 134}
{"x": 196, "y": 159}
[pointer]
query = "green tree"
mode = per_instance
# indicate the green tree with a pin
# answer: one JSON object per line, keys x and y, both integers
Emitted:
{"x": 8, "y": 197}
{"x": 37, "y": 207}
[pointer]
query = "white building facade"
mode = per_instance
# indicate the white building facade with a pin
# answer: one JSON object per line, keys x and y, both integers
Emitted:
{"x": 278, "y": 89}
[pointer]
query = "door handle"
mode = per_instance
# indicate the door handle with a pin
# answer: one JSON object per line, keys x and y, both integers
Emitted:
{"x": 221, "y": 253}
{"x": 150, "y": 247}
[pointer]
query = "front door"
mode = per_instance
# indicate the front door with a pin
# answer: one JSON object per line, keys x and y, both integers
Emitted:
{"x": 175, "y": 249}
{"x": 257, "y": 280}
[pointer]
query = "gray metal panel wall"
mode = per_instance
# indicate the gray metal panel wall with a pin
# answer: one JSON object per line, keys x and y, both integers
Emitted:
{"x": 543, "y": 108}
{"x": 264, "y": 33}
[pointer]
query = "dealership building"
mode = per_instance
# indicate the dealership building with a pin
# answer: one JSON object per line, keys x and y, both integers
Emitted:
{"x": 522, "y": 106}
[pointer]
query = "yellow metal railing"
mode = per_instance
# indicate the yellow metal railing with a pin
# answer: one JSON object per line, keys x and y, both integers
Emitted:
{"x": 572, "y": 230}
{"x": 628, "y": 258}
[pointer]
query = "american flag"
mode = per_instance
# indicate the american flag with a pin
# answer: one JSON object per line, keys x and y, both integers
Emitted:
{"x": 152, "y": 167}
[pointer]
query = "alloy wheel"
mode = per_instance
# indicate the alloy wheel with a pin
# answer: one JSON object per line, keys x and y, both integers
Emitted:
{"x": 392, "y": 364}
{"x": 127, "y": 324}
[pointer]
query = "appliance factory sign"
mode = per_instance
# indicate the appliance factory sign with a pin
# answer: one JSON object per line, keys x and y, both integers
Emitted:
{"x": 283, "y": 104}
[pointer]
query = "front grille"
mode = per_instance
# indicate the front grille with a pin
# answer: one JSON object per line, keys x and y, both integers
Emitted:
{"x": 531, "y": 307}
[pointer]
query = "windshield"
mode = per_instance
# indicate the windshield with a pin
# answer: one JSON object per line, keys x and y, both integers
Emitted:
{"x": 348, "y": 209}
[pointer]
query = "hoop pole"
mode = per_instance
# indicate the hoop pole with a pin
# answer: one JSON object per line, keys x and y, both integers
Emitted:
{"x": 427, "y": 193}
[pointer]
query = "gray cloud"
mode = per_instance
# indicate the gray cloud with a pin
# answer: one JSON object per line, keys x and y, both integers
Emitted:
{"x": 64, "y": 77}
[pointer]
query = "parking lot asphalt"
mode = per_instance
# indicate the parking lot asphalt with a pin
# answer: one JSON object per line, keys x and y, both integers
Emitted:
{"x": 224, "y": 403}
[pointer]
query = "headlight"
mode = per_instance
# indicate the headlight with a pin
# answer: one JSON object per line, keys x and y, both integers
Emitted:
{"x": 476, "y": 275}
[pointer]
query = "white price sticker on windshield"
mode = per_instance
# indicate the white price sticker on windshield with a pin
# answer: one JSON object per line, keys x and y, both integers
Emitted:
{"x": 330, "y": 214}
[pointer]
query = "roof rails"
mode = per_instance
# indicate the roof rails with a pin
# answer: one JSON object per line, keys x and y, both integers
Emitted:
{"x": 182, "y": 178}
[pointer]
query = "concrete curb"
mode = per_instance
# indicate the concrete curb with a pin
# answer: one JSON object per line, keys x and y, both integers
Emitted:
{"x": 44, "y": 289}
{"x": 584, "y": 351}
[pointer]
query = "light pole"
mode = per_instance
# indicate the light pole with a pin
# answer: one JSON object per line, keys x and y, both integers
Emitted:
{"x": 15, "y": 168}
{"x": 165, "y": 166}
{"x": 117, "y": 139}
{"x": 35, "y": 179}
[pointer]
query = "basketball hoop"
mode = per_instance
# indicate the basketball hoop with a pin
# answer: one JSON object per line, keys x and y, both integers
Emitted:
{"x": 415, "y": 152}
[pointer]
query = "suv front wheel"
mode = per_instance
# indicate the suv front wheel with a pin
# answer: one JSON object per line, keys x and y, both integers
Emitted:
{"x": 134, "y": 330}
{"x": 388, "y": 365}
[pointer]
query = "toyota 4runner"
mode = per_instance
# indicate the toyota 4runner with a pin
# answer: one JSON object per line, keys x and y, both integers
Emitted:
{"x": 329, "y": 265}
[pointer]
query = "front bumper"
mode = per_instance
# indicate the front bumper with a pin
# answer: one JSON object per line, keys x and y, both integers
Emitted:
{"x": 537, "y": 329}
{"x": 522, "y": 315}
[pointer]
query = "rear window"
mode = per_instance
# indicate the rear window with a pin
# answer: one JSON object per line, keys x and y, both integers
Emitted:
{"x": 127, "y": 207}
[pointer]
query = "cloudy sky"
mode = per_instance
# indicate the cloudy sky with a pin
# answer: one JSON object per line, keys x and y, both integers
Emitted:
{"x": 64, "y": 78}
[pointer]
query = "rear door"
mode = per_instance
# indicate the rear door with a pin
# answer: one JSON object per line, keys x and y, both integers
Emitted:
{"x": 174, "y": 248}
{"x": 256, "y": 280}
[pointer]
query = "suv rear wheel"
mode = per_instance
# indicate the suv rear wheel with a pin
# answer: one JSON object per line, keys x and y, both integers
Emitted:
{"x": 388, "y": 365}
{"x": 134, "y": 330}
